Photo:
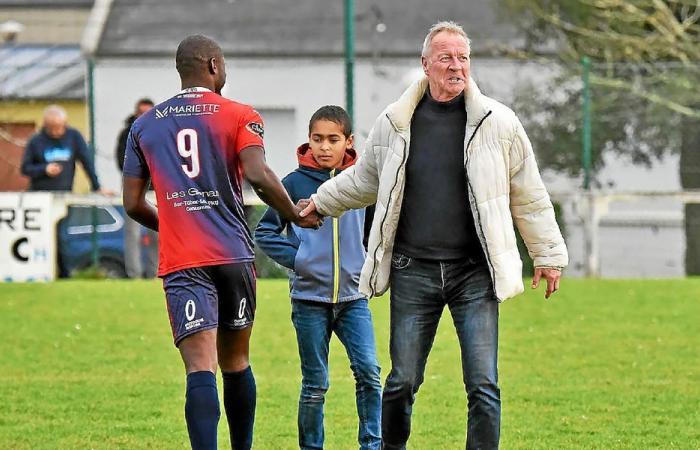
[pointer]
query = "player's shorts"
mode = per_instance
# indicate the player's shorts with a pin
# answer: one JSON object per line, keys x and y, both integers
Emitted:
{"x": 202, "y": 298}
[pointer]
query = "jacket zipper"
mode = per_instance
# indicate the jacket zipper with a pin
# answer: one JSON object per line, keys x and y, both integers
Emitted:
{"x": 336, "y": 255}
{"x": 470, "y": 191}
{"x": 373, "y": 274}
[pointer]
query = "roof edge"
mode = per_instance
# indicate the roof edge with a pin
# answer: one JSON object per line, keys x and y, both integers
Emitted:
{"x": 95, "y": 27}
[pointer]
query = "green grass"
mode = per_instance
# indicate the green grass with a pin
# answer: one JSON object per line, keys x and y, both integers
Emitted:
{"x": 607, "y": 365}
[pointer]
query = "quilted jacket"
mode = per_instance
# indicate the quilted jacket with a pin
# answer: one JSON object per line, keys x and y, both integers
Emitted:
{"x": 504, "y": 188}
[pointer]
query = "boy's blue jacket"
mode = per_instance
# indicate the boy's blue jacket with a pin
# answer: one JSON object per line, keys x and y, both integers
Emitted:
{"x": 325, "y": 263}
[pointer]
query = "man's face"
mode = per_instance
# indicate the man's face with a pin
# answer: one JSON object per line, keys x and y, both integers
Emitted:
{"x": 328, "y": 143}
{"x": 55, "y": 126}
{"x": 143, "y": 108}
{"x": 447, "y": 65}
{"x": 220, "y": 77}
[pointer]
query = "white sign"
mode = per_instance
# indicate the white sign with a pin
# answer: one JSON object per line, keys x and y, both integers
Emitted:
{"x": 27, "y": 237}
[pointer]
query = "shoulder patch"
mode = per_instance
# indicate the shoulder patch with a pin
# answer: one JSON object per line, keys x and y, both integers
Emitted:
{"x": 256, "y": 128}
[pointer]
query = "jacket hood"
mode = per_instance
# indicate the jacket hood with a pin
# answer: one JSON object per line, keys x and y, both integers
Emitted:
{"x": 306, "y": 159}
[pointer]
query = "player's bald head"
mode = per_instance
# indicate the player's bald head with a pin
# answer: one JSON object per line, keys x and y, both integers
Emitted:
{"x": 194, "y": 53}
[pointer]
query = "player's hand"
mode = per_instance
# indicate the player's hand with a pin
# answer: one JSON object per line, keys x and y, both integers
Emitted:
{"x": 53, "y": 169}
{"x": 308, "y": 220}
{"x": 551, "y": 275}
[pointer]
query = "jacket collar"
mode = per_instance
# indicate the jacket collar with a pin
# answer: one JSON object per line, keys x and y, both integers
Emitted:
{"x": 401, "y": 111}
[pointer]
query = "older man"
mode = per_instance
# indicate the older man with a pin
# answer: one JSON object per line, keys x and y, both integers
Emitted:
{"x": 50, "y": 156}
{"x": 450, "y": 170}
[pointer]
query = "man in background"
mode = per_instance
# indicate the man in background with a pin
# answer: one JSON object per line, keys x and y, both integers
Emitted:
{"x": 137, "y": 237}
{"x": 50, "y": 156}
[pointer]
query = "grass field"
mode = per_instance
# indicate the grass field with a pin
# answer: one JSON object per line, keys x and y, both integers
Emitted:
{"x": 607, "y": 365}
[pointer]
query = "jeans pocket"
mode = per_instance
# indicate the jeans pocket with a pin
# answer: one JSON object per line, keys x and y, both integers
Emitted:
{"x": 399, "y": 261}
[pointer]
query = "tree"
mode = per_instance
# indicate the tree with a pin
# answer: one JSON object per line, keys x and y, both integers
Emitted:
{"x": 646, "y": 70}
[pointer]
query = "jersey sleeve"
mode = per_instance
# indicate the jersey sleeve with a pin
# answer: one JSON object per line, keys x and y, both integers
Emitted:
{"x": 250, "y": 130}
{"x": 134, "y": 161}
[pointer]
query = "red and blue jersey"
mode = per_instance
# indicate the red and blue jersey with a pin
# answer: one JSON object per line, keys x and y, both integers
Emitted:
{"x": 189, "y": 147}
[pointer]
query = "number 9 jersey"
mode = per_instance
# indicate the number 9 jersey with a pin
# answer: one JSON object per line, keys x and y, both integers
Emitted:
{"x": 189, "y": 147}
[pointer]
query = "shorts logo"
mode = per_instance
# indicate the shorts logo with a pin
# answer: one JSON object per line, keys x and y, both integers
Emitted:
{"x": 190, "y": 309}
{"x": 241, "y": 308}
{"x": 256, "y": 128}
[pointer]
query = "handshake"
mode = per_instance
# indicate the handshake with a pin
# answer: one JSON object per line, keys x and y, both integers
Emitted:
{"x": 306, "y": 214}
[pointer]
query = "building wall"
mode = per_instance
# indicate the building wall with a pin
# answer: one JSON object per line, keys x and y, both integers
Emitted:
{"x": 32, "y": 111}
{"x": 48, "y": 25}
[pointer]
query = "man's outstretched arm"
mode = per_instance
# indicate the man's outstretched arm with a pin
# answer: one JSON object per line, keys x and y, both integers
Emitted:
{"x": 269, "y": 188}
{"x": 135, "y": 203}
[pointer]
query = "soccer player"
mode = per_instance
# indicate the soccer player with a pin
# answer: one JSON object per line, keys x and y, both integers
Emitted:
{"x": 196, "y": 147}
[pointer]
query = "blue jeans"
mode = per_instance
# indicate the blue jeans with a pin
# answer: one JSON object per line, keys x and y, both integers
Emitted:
{"x": 420, "y": 289}
{"x": 352, "y": 323}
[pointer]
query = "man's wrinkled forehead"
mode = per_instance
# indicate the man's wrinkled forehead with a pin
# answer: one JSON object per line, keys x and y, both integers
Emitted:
{"x": 444, "y": 42}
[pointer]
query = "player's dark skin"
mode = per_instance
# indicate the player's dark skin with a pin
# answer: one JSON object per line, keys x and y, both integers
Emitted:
{"x": 228, "y": 349}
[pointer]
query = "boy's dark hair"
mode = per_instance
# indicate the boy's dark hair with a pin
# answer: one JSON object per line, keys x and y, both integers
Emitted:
{"x": 335, "y": 114}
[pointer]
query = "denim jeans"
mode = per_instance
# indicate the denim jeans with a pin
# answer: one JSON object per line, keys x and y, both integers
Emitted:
{"x": 420, "y": 289}
{"x": 352, "y": 323}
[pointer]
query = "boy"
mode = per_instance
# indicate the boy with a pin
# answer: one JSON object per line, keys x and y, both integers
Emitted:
{"x": 325, "y": 269}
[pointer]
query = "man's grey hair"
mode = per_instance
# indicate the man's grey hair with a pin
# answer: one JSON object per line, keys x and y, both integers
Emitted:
{"x": 444, "y": 25}
{"x": 55, "y": 111}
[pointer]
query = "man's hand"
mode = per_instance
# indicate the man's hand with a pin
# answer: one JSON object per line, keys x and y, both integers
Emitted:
{"x": 309, "y": 207}
{"x": 308, "y": 220}
{"x": 551, "y": 275}
{"x": 53, "y": 169}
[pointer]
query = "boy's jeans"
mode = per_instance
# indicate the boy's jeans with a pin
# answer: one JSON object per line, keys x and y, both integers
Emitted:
{"x": 420, "y": 289}
{"x": 352, "y": 323}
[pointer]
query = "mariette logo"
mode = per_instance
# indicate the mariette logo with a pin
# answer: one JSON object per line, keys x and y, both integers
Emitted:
{"x": 198, "y": 109}
{"x": 160, "y": 113}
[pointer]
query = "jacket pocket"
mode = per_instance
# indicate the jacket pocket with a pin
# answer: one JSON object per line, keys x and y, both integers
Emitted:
{"x": 399, "y": 261}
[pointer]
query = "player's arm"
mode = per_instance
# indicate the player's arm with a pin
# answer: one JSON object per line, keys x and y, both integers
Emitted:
{"x": 269, "y": 188}
{"x": 135, "y": 203}
{"x": 135, "y": 183}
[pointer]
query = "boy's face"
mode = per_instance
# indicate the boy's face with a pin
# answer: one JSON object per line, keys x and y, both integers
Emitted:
{"x": 328, "y": 143}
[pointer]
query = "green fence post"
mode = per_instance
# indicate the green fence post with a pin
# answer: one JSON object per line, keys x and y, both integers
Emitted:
{"x": 91, "y": 118}
{"x": 350, "y": 58}
{"x": 586, "y": 131}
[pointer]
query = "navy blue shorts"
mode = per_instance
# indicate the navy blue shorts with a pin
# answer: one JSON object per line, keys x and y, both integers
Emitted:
{"x": 202, "y": 298}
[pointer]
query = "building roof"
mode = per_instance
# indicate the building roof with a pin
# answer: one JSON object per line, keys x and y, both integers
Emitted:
{"x": 285, "y": 28}
{"x": 46, "y": 72}
{"x": 47, "y": 3}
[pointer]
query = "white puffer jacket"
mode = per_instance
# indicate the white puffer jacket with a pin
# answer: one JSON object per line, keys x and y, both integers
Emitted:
{"x": 504, "y": 187}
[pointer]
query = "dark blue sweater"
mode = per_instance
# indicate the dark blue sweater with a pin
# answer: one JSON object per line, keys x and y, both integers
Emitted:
{"x": 43, "y": 149}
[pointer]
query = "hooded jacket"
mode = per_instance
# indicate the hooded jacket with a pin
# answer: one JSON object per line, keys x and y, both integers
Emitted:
{"x": 504, "y": 189}
{"x": 325, "y": 264}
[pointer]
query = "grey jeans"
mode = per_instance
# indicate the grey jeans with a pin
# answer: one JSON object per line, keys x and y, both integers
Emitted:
{"x": 420, "y": 289}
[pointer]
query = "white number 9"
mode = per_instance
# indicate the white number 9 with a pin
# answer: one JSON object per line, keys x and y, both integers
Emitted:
{"x": 189, "y": 148}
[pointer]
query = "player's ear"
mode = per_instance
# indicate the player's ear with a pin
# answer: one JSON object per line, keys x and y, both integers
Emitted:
{"x": 213, "y": 66}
